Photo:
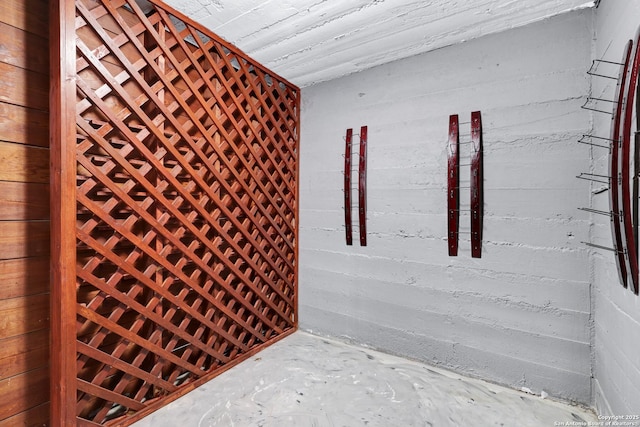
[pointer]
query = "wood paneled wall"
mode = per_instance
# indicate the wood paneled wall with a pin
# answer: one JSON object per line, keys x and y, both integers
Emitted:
{"x": 24, "y": 213}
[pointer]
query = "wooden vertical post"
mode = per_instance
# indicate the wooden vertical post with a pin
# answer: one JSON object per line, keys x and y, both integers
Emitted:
{"x": 477, "y": 185}
{"x": 347, "y": 187}
{"x": 362, "y": 186}
{"x": 296, "y": 272}
{"x": 453, "y": 185}
{"x": 63, "y": 213}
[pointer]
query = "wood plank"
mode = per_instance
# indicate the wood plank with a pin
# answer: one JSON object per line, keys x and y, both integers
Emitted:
{"x": 123, "y": 366}
{"x": 26, "y": 390}
{"x": 22, "y": 239}
{"x": 81, "y": 422}
{"x": 24, "y": 125}
{"x": 24, "y": 347}
{"x": 24, "y": 276}
{"x": 34, "y": 417}
{"x": 23, "y": 49}
{"x": 22, "y": 163}
{"x": 22, "y": 201}
{"x": 108, "y": 395}
{"x": 62, "y": 389}
{"x": 29, "y": 15}
{"x": 23, "y": 315}
{"x": 24, "y": 353}
{"x": 23, "y": 87}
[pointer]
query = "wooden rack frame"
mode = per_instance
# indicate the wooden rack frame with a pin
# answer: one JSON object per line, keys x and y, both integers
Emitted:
{"x": 477, "y": 185}
{"x": 453, "y": 185}
{"x": 174, "y": 208}
{"x": 348, "y": 225}
{"x": 628, "y": 214}
{"x": 362, "y": 187}
{"x": 615, "y": 193}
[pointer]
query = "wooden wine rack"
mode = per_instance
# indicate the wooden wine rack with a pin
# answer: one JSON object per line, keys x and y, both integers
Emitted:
{"x": 184, "y": 205}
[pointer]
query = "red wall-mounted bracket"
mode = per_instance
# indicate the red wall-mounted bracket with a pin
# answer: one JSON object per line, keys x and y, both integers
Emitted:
{"x": 615, "y": 193}
{"x": 476, "y": 185}
{"x": 362, "y": 186}
{"x": 629, "y": 223}
{"x": 453, "y": 185}
{"x": 347, "y": 187}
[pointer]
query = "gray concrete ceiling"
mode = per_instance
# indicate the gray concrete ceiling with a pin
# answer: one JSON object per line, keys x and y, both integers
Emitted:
{"x": 309, "y": 41}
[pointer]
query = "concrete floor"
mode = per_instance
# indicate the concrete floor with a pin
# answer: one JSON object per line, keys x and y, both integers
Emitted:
{"x": 305, "y": 380}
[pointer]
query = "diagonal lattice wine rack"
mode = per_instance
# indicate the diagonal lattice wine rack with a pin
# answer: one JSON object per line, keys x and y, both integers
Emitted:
{"x": 186, "y": 221}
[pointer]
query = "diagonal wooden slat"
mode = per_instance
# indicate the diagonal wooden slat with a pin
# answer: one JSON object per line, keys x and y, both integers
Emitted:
{"x": 108, "y": 395}
{"x": 119, "y": 364}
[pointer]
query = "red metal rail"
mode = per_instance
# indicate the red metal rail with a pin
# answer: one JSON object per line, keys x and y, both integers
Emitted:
{"x": 627, "y": 220}
{"x": 636, "y": 171}
{"x": 614, "y": 159}
{"x": 362, "y": 186}
{"x": 453, "y": 181}
{"x": 347, "y": 187}
{"x": 476, "y": 185}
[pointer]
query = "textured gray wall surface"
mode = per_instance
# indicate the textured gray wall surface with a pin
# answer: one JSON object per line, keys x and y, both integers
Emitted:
{"x": 521, "y": 314}
{"x": 311, "y": 41}
{"x": 616, "y": 310}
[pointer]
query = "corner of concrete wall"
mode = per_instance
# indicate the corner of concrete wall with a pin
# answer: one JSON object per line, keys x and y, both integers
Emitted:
{"x": 616, "y": 371}
{"x": 592, "y": 264}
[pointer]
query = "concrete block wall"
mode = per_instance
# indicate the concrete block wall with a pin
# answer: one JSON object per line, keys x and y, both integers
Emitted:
{"x": 521, "y": 314}
{"x": 616, "y": 385}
